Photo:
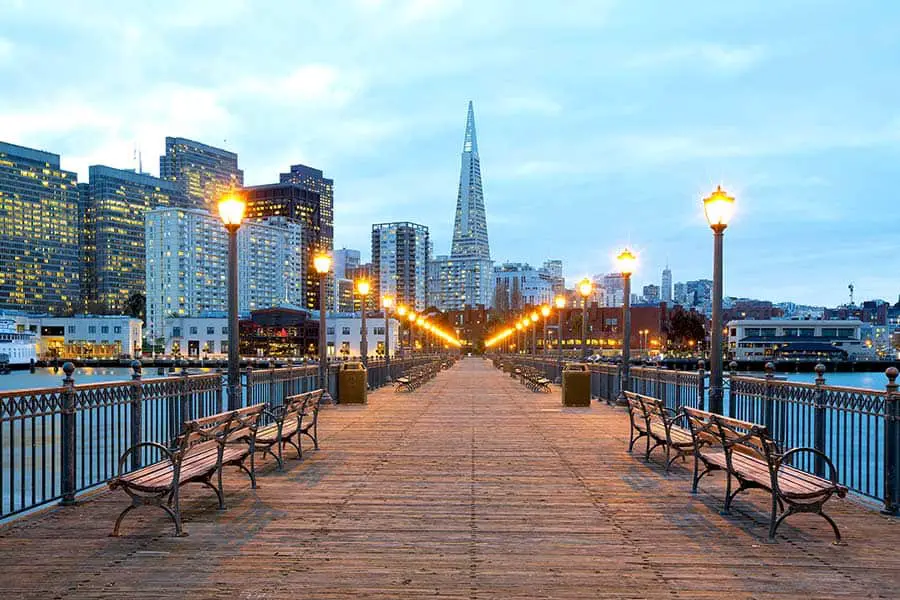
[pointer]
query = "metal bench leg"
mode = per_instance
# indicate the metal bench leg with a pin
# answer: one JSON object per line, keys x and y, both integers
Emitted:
{"x": 837, "y": 532}
{"x": 213, "y": 487}
{"x": 220, "y": 490}
{"x": 175, "y": 514}
{"x": 128, "y": 509}
{"x": 776, "y": 523}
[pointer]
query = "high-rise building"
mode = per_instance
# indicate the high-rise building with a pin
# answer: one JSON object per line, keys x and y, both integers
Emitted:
{"x": 465, "y": 277}
{"x": 203, "y": 174}
{"x": 680, "y": 293}
{"x": 296, "y": 201}
{"x": 613, "y": 290}
{"x": 666, "y": 288}
{"x": 400, "y": 263}
{"x": 39, "y": 232}
{"x": 651, "y": 294}
{"x": 517, "y": 285}
{"x": 315, "y": 181}
{"x": 345, "y": 259}
{"x": 346, "y": 263}
{"x": 187, "y": 265}
{"x": 554, "y": 268}
{"x": 699, "y": 293}
{"x": 117, "y": 203}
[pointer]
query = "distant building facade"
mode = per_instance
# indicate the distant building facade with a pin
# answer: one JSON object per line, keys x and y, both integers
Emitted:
{"x": 187, "y": 265}
{"x": 400, "y": 263}
{"x": 666, "y": 287}
{"x": 39, "y": 232}
{"x": 756, "y": 339}
{"x": 517, "y": 285}
{"x": 87, "y": 336}
{"x": 202, "y": 174}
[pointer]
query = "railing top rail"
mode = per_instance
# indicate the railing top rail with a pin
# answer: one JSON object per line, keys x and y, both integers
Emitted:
{"x": 101, "y": 384}
{"x": 810, "y": 386}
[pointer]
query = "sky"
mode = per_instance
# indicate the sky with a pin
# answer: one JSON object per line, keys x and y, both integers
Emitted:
{"x": 601, "y": 123}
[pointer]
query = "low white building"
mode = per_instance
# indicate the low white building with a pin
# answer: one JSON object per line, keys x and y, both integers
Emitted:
{"x": 343, "y": 335}
{"x": 758, "y": 339}
{"x": 197, "y": 337}
{"x": 83, "y": 336}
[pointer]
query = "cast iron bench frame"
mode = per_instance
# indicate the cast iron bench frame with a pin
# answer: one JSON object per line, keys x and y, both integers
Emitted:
{"x": 747, "y": 453}
{"x": 287, "y": 426}
{"x": 650, "y": 418}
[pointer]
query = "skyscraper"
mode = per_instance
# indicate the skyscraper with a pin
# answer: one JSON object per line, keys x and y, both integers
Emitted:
{"x": 400, "y": 262}
{"x": 666, "y": 288}
{"x": 39, "y": 232}
{"x": 315, "y": 181}
{"x": 464, "y": 278}
{"x": 203, "y": 174}
{"x": 298, "y": 202}
{"x": 115, "y": 208}
{"x": 187, "y": 264}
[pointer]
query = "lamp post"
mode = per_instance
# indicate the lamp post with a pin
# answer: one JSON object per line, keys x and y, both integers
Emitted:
{"x": 718, "y": 208}
{"x": 411, "y": 317}
{"x": 625, "y": 262}
{"x": 322, "y": 263}
{"x": 585, "y": 287}
{"x": 560, "y": 302}
{"x": 534, "y": 320}
{"x": 401, "y": 312}
{"x": 231, "y": 210}
{"x": 387, "y": 301}
{"x": 362, "y": 288}
{"x": 518, "y": 337}
{"x": 545, "y": 312}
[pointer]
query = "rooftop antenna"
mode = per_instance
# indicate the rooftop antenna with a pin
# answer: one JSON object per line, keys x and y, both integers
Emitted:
{"x": 850, "y": 287}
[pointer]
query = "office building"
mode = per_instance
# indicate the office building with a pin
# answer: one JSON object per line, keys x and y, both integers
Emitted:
{"x": 519, "y": 285}
{"x": 554, "y": 268}
{"x": 613, "y": 290}
{"x": 39, "y": 232}
{"x": 651, "y": 294}
{"x": 400, "y": 263}
{"x": 298, "y": 203}
{"x": 115, "y": 207}
{"x": 465, "y": 277}
{"x": 202, "y": 174}
{"x": 315, "y": 181}
{"x": 666, "y": 288}
{"x": 187, "y": 265}
{"x": 679, "y": 294}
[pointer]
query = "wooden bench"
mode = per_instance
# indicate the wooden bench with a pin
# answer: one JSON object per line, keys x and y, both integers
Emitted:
{"x": 534, "y": 379}
{"x": 201, "y": 451}
{"x": 651, "y": 419}
{"x": 747, "y": 453}
{"x": 416, "y": 376}
{"x": 288, "y": 426}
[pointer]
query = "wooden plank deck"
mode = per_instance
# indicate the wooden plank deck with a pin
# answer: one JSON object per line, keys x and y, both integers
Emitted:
{"x": 470, "y": 487}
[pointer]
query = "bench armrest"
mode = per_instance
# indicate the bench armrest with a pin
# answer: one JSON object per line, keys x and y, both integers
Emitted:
{"x": 165, "y": 451}
{"x": 832, "y": 470}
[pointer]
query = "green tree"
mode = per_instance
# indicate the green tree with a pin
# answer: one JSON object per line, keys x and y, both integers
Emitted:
{"x": 685, "y": 326}
{"x": 136, "y": 305}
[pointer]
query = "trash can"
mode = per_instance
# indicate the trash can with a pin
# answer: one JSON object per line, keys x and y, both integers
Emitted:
{"x": 576, "y": 385}
{"x": 352, "y": 383}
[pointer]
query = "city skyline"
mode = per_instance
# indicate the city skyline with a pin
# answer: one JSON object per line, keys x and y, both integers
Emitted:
{"x": 630, "y": 123}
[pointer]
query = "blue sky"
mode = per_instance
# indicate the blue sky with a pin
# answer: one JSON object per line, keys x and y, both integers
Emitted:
{"x": 600, "y": 123}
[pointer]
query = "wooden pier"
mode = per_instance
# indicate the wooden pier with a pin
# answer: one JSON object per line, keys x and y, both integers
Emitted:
{"x": 469, "y": 487}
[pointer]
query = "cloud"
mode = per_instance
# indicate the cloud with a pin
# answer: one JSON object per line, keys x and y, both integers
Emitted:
{"x": 717, "y": 57}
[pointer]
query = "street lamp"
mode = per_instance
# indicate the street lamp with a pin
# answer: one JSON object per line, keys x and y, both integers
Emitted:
{"x": 585, "y": 287}
{"x": 560, "y": 302}
{"x": 719, "y": 207}
{"x": 387, "y": 301}
{"x": 401, "y": 312}
{"x": 545, "y": 312}
{"x": 231, "y": 210}
{"x": 625, "y": 263}
{"x": 322, "y": 264}
{"x": 518, "y": 337}
{"x": 534, "y": 320}
{"x": 362, "y": 288}
{"x": 411, "y": 317}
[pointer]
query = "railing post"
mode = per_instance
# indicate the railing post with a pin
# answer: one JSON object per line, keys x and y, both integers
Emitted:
{"x": 184, "y": 397}
{"x": 137, "y": 412}
{"x": 891, "y": 442}
{"x": 769, "y": 400}
{"x": 819, "y": 419}
{"x": 249, "y": 379}
{"x": 68, "y": 437}
{"x": 271, "y": 399}
{"x": 732, "y": 373}
{"x": 677, "y": 390}
{"x": 701, "y": 386}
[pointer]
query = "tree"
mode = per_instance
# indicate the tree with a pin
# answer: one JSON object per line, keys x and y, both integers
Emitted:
{"x": 136, "y": 305}
{"x": 685, "y": 326}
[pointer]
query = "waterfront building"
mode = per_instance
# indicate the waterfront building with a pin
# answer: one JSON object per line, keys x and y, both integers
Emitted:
{"x": 666, "y": 287}
{"x": 651, "y": 294}
{"x": 765, "y": 339}
{"x": 299, "y": 203}
{"x": 18, "y": 345}
{"x": 39, "y": 232}
{"x": 280, "y": 332}
{"x": 465, "y": 277}
{"x": 201, "y": 173}
{"x": 518, "y": 285}
{"x": 116, "y": 204}
{"x": 400, "y": 263}
{"x": 203, "y": 336}
{"x": 343, "y": 335}
{"x": 605, "y": 328}
{"x": 187, "y": 265}
{"x": 81, "y": 336}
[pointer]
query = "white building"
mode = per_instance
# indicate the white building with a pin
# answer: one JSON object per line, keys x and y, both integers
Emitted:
{"x": 187, "y": 265}
{"x": 81, "y": 336}
{"x": 666, "y": 287}
{"x": 202, "y": 337}
{"x": 517, "y": 285}
{"x": 400, "y": 263}
{"x": 343, "y": 335}
{"x": 613, "y": 290}
{"x": 454, "y": 283}
{"x": 758, "y": 339}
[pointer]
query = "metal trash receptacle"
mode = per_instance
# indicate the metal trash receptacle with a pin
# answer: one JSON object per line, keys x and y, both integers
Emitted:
{"x": 576, "y": 385}
{"x": 352, "y": 383}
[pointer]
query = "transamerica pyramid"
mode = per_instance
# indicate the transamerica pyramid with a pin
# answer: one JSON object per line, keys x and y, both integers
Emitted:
{"x": 470, "y": 236}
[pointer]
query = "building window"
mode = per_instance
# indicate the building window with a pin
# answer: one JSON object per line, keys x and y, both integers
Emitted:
{"x": 223, "y": 347}
{"x": 345, "y": 331}
{"x": 225, "y": 331}
{"x": 71, "y": 329}
{"x": 379, "y": 331}
{"x": 193, "y": 331}
{"x": 329, "y": 330}
{"x": 176, "y": 332}
{"x": 92, "y": 329}
{"x": 104, "y": 329}
{"x": 210, "y": 330}
{"x": 117, "y": 329}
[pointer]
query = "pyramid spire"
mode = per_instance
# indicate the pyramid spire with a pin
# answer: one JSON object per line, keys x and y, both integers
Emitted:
{"x": 470, "y": 237}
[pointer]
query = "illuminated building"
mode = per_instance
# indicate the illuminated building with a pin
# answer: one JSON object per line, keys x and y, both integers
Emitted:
{"x": 298, "y": 202}
{"x": 39, "y": 253}
{"x": 400, "y": 263}
{"x": 517, "y": 285}
{"x": 464, "y": 278}
{"x": 202, "y": 173}
{"x": 113, "y": 234}
{"x": 187, "y": 265}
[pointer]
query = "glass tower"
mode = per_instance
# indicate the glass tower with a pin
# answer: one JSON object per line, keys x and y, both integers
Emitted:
{"x": 400, "y": 262}
{"x": 202, "y": 174}
{"x": 39, "y": 232}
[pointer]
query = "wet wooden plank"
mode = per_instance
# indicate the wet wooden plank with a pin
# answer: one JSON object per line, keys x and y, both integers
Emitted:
{"x": 470, "y": 487}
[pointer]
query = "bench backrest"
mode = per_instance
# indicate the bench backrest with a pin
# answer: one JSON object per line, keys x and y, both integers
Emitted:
{"x": 649, "y": 409}
{"x": 220, "y": 428}
{"x": 305, "y": 405}
{"x": 732, "y": 435}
